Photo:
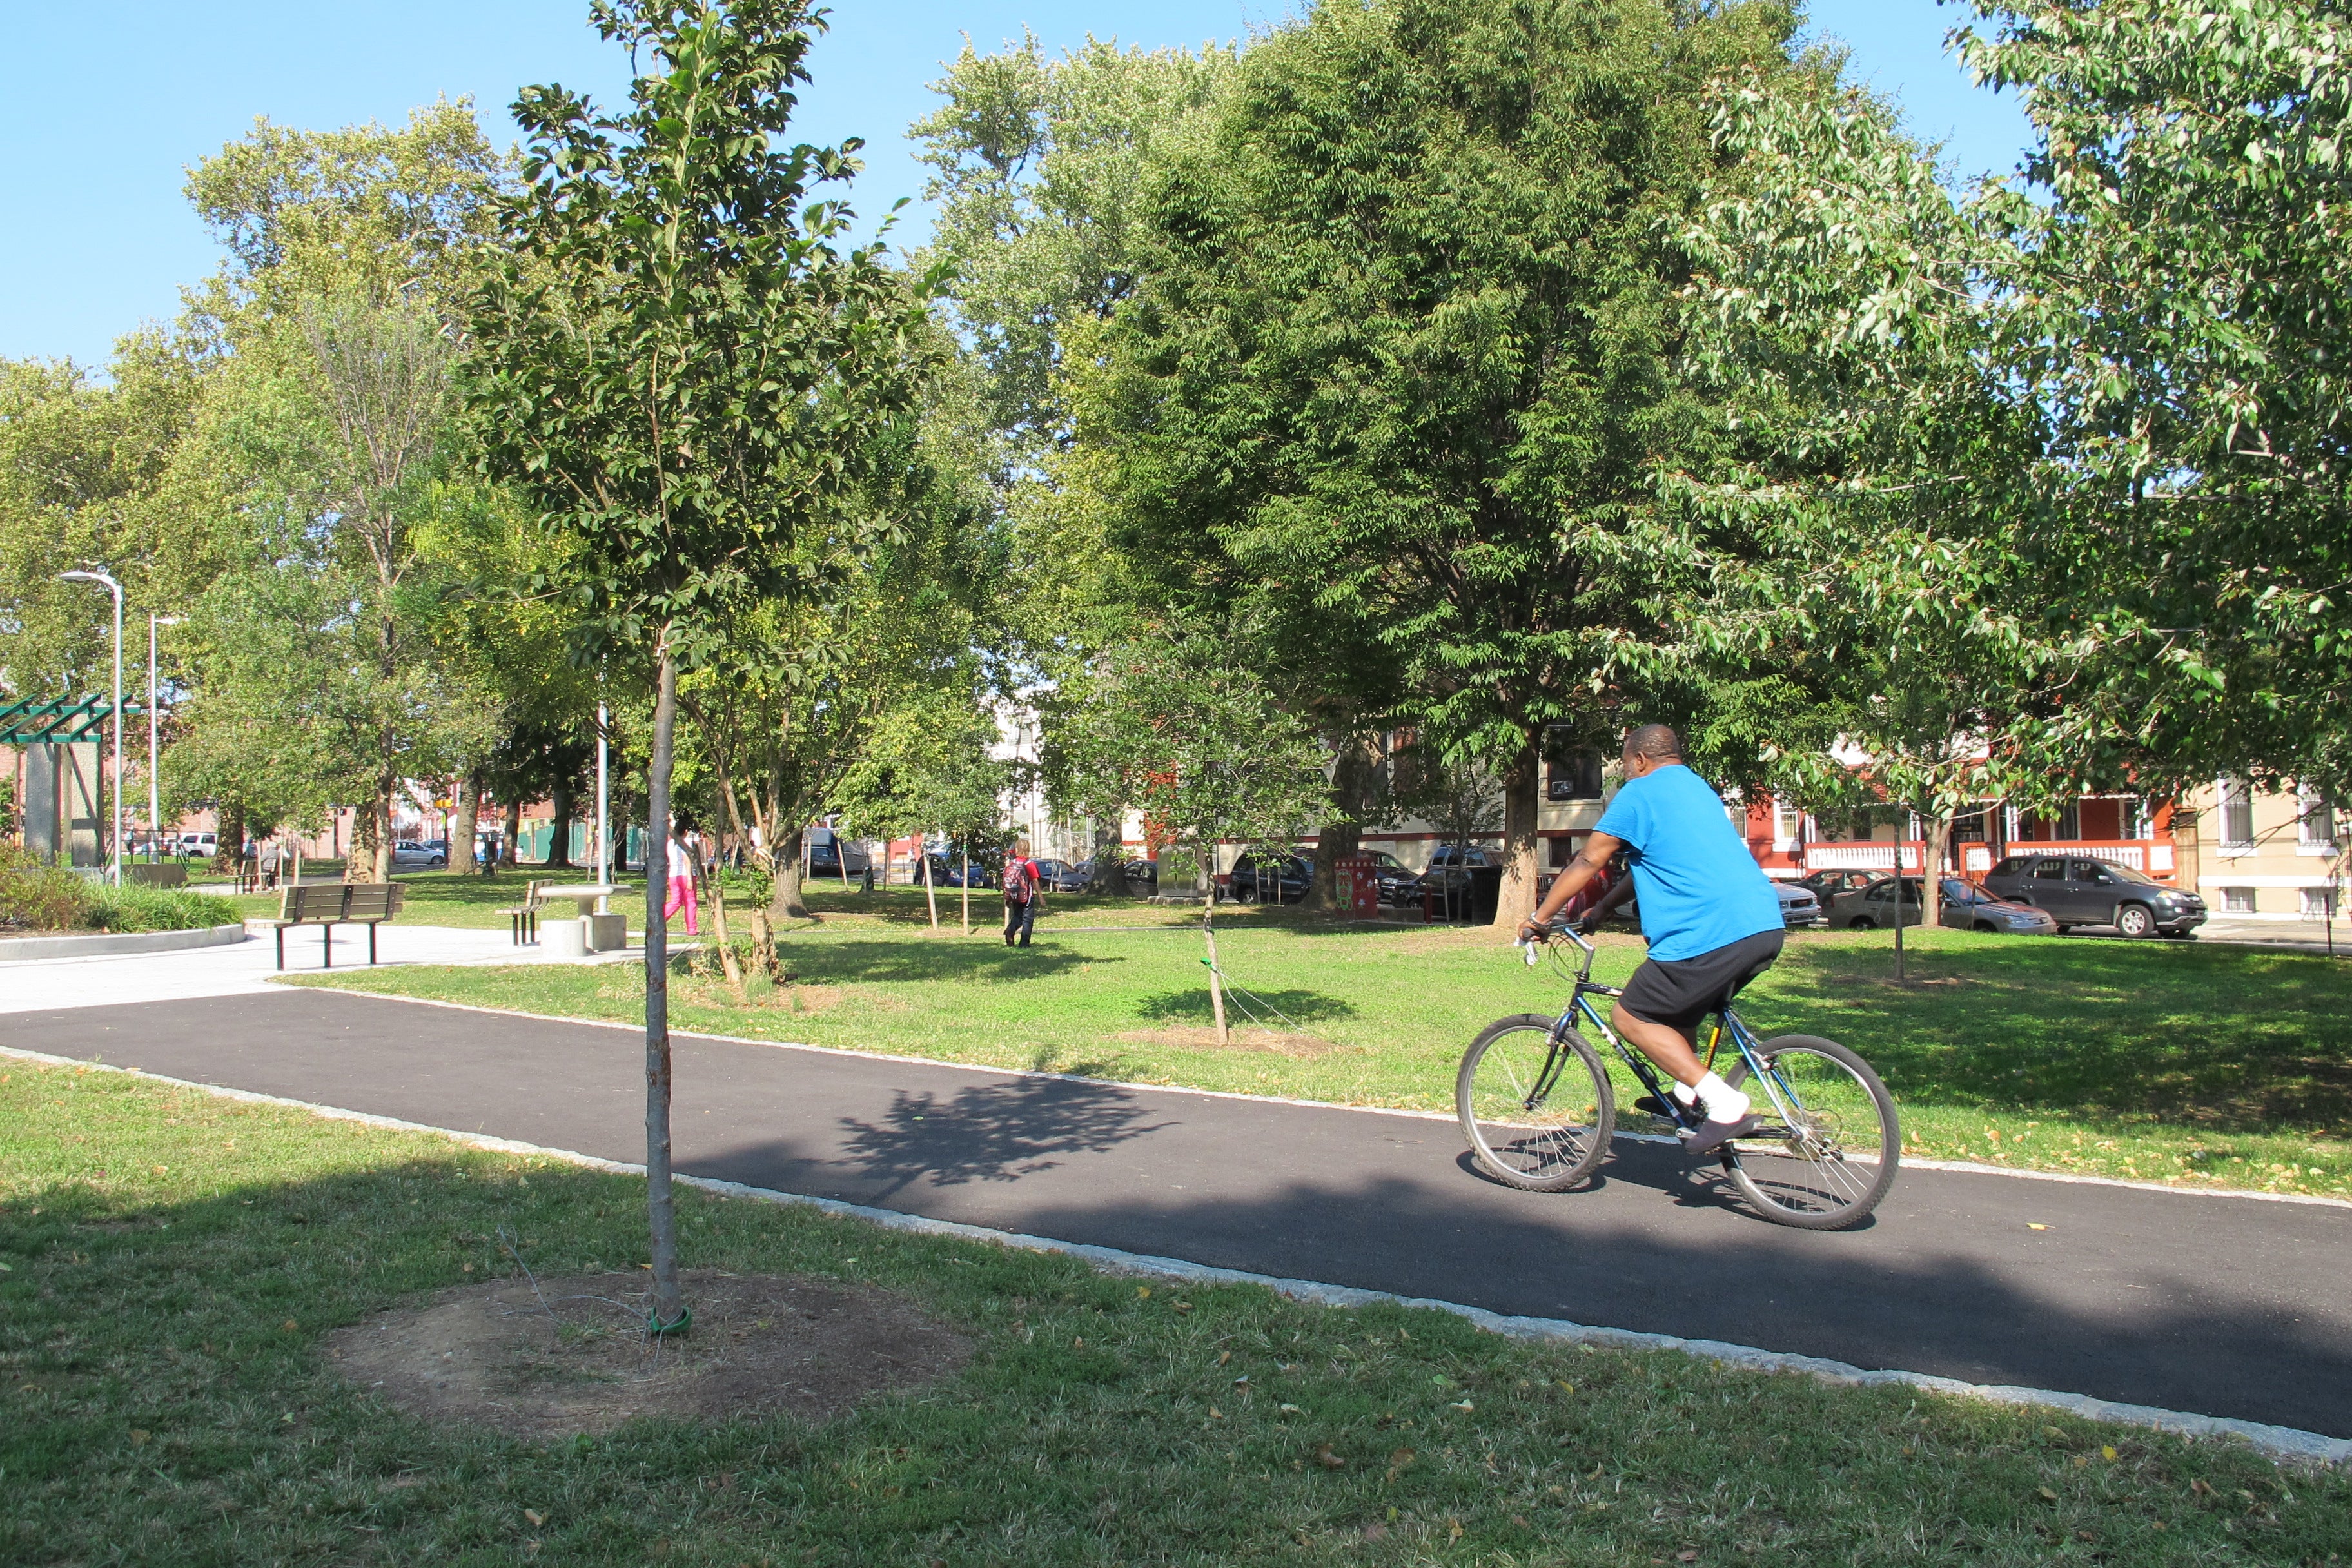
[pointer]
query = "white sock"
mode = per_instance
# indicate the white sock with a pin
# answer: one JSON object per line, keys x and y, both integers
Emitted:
{"x": 1724, "y": 1103}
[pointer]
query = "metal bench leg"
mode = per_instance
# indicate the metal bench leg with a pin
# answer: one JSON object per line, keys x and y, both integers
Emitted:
{"x": 281, "y": 949}
{"x": 371, "y": 925}
{"x": 327, "y": 942}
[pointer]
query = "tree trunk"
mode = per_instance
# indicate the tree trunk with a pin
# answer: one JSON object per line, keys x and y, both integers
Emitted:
{"x": 1352, "y": 777}
{"x": 510, "y": 831}
{"x": 930, "y": 894}
{"x": 1517, "y": 900}
{"x": 967, "y": 895}
{"x": 381, "y": 860}
{"x": 669, "y": 1310}
{"x": 785, "y": 902}
{"x": 559, "y": 828}
{"x": 1938, "y": 839}
{"x": 1216, "y": 981}
{"x": 469, "y": 792}
{"x": 229, "y": 837}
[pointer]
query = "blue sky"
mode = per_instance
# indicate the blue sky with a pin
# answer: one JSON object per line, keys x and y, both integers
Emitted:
{"x": 104, "y": 107}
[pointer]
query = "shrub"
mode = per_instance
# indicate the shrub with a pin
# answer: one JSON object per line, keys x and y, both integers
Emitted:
{"x": 132, "y": 908}
{"x": 38, "y": 897}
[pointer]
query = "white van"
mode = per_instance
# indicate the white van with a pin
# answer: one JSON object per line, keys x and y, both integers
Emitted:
{"x": 203, "y": 845}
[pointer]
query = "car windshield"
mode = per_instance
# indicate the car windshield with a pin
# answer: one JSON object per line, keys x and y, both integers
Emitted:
{"x": 2129, "y": 874}
{"x": 1957, "y": 890}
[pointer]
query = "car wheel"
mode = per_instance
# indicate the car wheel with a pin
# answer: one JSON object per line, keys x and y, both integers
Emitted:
{"x": 1245, "y": 895}
{"x": 438, "y": 861}
{"x": 1985, "y": 925}
{"x": 2134, "y": 921}
{"x": 1862, "y": 922}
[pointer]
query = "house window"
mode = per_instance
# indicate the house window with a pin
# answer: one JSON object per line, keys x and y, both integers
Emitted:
{"x": 1571, "y": 772}
{"x": 2237, "y": 900}
{"x": 2314, "y": 822}
{"x": 2318, "y": 903}
{"x": 2237, "y": 815}
{"x": 2068, "y": 826}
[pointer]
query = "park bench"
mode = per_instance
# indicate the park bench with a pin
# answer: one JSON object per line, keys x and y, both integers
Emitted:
{"x": 524, "y": 916}
{"x": 340, "y": 903}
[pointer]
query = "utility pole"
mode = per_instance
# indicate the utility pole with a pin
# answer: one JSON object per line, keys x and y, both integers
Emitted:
{"x": 155, "y": 767}
{"x": 116, "y": 589}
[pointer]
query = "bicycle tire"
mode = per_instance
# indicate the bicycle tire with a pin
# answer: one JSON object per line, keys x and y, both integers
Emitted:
{"x": 1539, "y": 1150}
{"x": 1810, "y": 1183}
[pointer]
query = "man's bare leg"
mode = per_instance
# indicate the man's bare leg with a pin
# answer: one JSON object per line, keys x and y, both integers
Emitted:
{"x": 1674, "y": 1050}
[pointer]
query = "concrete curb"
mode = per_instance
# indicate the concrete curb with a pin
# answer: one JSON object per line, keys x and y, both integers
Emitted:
{"x": 2283, "y": 1444}
{"x": 100, "y": 944}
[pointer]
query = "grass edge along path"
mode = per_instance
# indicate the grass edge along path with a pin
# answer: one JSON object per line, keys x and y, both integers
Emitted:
{"x": 2203, "y": 1070}
{"x": 172, "y": 1257}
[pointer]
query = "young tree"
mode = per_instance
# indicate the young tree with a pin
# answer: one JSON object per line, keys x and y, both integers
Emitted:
{"x": 1177, "y": 728}
{"x": 1405, "y": 351}
{"x": 682, "y": 373}
{"x": 929, "y": 768}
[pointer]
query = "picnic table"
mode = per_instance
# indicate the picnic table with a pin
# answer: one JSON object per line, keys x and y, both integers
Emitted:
{"x": 583, "y": 893}
{"x": 600, "y": 930}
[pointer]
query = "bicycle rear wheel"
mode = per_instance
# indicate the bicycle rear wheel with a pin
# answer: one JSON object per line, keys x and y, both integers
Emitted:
{"x": 1536, "y": 1115}
{"x": 1831, "y": 1144}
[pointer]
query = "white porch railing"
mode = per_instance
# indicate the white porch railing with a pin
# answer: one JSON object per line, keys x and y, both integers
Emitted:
{"x": 2153, "y": 856}
{"x": 1870, "y": 856}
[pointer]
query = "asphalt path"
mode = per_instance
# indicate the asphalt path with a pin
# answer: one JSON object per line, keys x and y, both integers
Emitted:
{"x": 2194, "y": 1302}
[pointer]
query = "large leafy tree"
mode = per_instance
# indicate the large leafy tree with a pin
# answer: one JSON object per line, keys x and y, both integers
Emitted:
{"x": 2177, "y": 295}
{"x": 1404, "y": 357}
{"x": 683, "y": 375}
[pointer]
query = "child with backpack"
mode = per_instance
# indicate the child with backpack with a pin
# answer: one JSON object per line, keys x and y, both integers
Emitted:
{"x": 1020, "y": 893}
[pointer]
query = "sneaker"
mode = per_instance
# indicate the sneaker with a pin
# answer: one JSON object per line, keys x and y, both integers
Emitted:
{"x": 1715, "y": 1134}
{"x": 1655, "y": 1106}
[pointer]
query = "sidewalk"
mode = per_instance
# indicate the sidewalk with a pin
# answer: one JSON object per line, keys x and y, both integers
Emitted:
{"x": 240, "y": 969}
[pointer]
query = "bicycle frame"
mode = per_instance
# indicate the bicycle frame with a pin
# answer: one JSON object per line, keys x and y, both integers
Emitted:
{"x": 1762, "y": 1069}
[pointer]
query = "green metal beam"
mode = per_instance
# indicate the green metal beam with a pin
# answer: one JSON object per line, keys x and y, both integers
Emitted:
{"x": 31, "y": 724}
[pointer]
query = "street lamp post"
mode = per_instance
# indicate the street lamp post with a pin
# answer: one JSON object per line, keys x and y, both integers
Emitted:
{"x": 155, "y": 767}
{"x": 603, "y": 823}
{"x": 116, "y": 589}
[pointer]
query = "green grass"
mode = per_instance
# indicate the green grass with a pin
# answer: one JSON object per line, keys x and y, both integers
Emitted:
{"x": 2197, "y": 1065}
{"x": 173, "y": 1260}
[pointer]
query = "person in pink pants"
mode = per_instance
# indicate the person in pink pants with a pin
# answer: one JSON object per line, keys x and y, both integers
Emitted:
{"x": 681, "y": 885}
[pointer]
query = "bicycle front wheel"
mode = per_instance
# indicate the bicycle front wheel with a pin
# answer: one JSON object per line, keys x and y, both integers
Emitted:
{"x": 1538, "y": 1113}
{"x": 1830, "y": 1144}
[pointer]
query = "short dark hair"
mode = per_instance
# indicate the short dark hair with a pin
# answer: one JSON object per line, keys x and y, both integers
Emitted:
{"x": 1657, "y": 741}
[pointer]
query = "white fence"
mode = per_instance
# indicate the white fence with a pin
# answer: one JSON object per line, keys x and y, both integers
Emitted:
{"x": 1975, "y": 859}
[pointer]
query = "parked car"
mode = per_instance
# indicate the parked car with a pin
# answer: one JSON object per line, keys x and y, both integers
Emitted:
{"x": 2075, "y": 890}
{"x": 947, "y": 871}
{"x": 1141, "y": 876}
{"x": 1449, "y": 866}
{"x": 1064, "y": 876}
{"x": 1799, "y": 906}
{"x": 826, "y": 850}
{"x": 203, "y": 845}
{"x": 1283, "y": 880}
{"x": 1825, "y": 885}
{"x": 1965, "y": 907}
{"x": 432, "y": 853}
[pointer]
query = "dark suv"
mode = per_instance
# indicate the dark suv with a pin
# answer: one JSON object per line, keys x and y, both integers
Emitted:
{"x": 2075, "y": 891}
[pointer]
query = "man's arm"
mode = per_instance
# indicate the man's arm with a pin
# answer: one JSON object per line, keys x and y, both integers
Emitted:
{"x": 1589, "y": 863}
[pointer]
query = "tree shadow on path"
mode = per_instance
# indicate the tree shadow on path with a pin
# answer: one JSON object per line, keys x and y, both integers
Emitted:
{"x": 990, "y": 1133}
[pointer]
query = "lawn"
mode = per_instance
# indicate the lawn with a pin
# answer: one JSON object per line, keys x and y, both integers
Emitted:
{"x": 170, "y": 1262}
{"x": 2193, "y": 1063}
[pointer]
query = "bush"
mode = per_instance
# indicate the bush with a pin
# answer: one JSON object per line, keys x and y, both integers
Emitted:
{"x": 129, "y": 908}
{"x": 37, "y": 896}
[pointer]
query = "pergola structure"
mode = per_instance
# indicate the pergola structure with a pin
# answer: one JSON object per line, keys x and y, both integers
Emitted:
{"x": 34, "y": 723}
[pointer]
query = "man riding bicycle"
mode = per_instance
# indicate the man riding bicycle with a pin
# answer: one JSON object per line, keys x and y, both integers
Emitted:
{"x": 1713, "y": 921}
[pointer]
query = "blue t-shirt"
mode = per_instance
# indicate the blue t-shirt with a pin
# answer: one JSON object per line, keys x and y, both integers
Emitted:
{"x": 1698, "y": 886}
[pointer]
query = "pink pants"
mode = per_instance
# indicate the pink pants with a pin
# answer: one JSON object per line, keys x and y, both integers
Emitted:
{"x": 681, "y": 897}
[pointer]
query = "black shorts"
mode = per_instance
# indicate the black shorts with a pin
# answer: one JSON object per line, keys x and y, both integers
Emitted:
{"x": 1679, "y": 992}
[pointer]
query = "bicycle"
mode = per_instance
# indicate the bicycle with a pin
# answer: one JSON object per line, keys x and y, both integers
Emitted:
{"x": 1537, "y": 1107}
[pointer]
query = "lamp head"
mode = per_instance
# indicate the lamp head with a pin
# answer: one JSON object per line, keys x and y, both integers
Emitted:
{"x": 90, "y": 577}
